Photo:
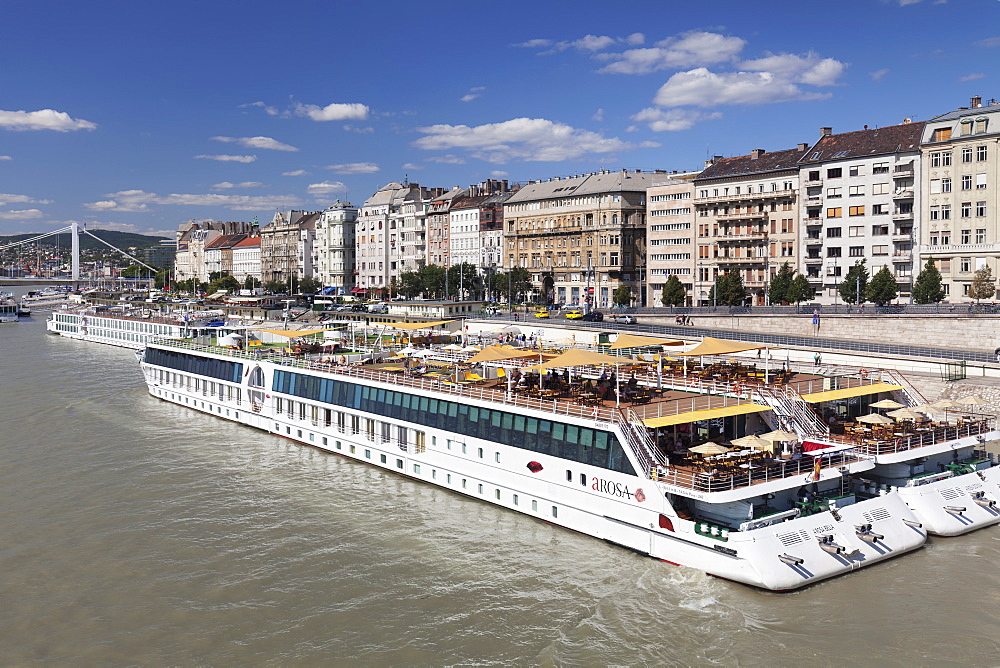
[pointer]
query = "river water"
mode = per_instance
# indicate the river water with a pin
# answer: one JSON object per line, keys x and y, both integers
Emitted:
{"x": 135, "y": 531}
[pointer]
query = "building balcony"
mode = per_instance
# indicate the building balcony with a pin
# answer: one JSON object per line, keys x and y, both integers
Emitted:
{"x": 905, "y": 193}
{"x": 745, "y": 197}
{"x": 754, "y": 284}
{"x": 813, "y": 220}
{"x": 757, "y": 215}
{"x": 902, "y": 236}
{"x": 752, "y": 236}
{"x": 963, "y": 249}
{"x": 814, "y": 241}
{"x": 814, "y": 279}
{"x": 741, "y": 260}
{"x": 902, "y": 171}
{"x": 902, "y": 256}
{"x": 813, "y": 259}
{"x": 812, "y": 182}
{"x": 902, "y": 215}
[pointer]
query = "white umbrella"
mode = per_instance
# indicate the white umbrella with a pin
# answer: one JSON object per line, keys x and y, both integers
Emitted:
{"x": 779, "y": 435}
{"x": 973, "y": 400}
{"x": 709, "y": 448}
{"x": 874, "y": 418}
{"x": 755, "y": 442}
{"x": 905, "y": 414}
{"x": 887, "y": 403}
{"x": 452, "y": 346}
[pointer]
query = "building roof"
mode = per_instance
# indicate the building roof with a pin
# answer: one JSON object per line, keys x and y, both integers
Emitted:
{"x": 469, "y": 202}
{"x": 248, "y": 242}
{"x": 225, "y": 241}
{"x": 586, "y": 184}
{"x": 863, "y": 143}
{"x": 962, "y": 113}
{"x": 748, "y": 165}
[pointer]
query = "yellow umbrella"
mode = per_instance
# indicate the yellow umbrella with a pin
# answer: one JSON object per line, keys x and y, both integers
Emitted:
{"x": 779, "y": 435}
{"x": 755, "y": 442}
{"x": 709, "y": 448}
{"x": 634, "y": 341}
{"x": 874, "y": 418}
{"x": 905, "y": 414}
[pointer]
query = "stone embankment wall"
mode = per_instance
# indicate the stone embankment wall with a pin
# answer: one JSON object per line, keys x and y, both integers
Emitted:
{"x": 980, "y": 333}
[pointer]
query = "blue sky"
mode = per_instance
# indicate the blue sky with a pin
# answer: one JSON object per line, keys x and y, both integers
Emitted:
{"x": 139, "y": 116}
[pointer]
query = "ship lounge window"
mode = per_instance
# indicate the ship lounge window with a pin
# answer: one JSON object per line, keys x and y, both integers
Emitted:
{"x": 571, "y": 442}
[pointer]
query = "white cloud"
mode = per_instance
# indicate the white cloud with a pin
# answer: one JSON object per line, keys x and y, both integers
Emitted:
{"x": 116, "y": 227}
{"x": 702, "y": 88}
{"x": 472, "y": 94}
{"x": 226, "y": 185}
{"x": 598, "y": 115}
{"x": 269, "y": 110}
{"x": 593, "y": 42}
{"x": 359, "y": 130}
{"x": 297, "y": 172}
{"x": 534, "y": 44}
{"x": 326, "y": 187}
{"x": 227, "y": 158}
{"x": 878, "y": 74}
{"x": 257, "y": 142}
{"x": 808, "y": 69}
{"x": 410, "y": 165}
{"x": 5, "y": 157}
{"x": 354, "y": 168}
{"x": 9, "y": 198}
{"x": 989, "y": 42}
{"x": 44, "y": 119}
{"x": 449, "y": 159}
{"x": 333, "y": 112}
{"x": 139, "y": 200}
{"x": 635, "y": 39}
{"x": 686, "y": 50}
{"x": 499, "y": 174}
{"x": 532, "y": 139}
{"x": 672, "y": 120}
{"x": 23, "y": 214}
{"x": 972, "y": 76}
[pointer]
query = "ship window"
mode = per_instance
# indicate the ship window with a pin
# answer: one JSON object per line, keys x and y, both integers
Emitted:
{"x": 583, "y": 479}
{"x": 399, "y": 463}
{"x": 368, "y": 454}
{"x": 464, "y": 481}
{"x": 382, "y": 458}
{"x": 534, "y": 505}
{"x": 497, "y": 455}
{"x": 480, "y": 488}
{"x": 416, "y": 469}
{"x": 498, "y": 495}
{"x": 555, "y": 512}
{"x": 480, "y": 453}
{"x": 515, "y": 499}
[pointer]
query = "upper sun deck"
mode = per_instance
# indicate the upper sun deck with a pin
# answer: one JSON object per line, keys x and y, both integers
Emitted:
{"x": 633, "y": 407}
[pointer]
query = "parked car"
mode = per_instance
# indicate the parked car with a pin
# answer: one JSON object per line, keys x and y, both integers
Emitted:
{"x": 593, "y": 316}
{"x": 623, "y": 318}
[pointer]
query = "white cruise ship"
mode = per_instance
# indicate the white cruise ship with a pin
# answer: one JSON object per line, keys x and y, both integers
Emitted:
{"x": 132, "y": 327}
{"x": 8, "y": 307}
{"x": 775, "y": 522}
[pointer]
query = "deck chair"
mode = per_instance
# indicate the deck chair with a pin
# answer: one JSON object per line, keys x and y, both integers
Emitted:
{"x": 473, "y": 377}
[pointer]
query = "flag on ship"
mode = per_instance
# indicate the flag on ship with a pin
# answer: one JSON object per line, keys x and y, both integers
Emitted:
{"x": 817, "y": 468}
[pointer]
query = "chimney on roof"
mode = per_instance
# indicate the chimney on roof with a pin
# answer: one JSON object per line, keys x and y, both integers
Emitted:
{"x": 756, "y": 153}
{"x": 803, "y": 146}
{"x": 977, "y": 102}
{"x": 825, "y": 131}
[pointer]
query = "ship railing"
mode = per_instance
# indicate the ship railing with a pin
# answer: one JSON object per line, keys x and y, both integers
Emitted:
{"x": 720, "y": 481}
{"x": 911, "y": 394}
{"x": 940, "y": 434}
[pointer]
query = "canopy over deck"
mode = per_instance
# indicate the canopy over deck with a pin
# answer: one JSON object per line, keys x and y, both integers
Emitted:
{"x": 848, "y": 392}
{"x": 713, "y": 346}
{"x": 635, "y": 341}
{"x": 708, "y": 414}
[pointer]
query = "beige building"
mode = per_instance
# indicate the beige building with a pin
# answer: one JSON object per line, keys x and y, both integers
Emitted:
{"x": 747, "y": 218}
{"x": 285, "y": 246}
{"x": 960, "y": 181}
{"x": 670, "y": 235}
{"x": 580, "y": 237}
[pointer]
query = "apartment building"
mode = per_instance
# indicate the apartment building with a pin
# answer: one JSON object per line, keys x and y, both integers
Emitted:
{"x": 219, "y": 254}
{"x": 333, "y": 249}
{"x": 246, "y": 259}
{"x": 961, "y": 183}
{"x": 747, "y": 219}
{"x": 580, "y": 237}
{"x": 670, "y": 235}
{"x": 859, "y": 203}
{"x": 439, "y": 227}
{"x": 286, "y": 246}
{"x": 192, "y": 238}
{"x": 377, "y": 236}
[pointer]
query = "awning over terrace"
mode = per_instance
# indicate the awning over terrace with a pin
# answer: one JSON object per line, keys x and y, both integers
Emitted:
{"x": 847, "y": 392}
{"x": 708, "y": 414}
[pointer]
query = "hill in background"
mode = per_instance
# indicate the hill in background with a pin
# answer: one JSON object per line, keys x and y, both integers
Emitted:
{"x": 123, "y": 240}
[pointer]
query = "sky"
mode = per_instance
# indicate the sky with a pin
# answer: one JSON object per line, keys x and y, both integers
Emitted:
{"x": 140, "y": 116}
